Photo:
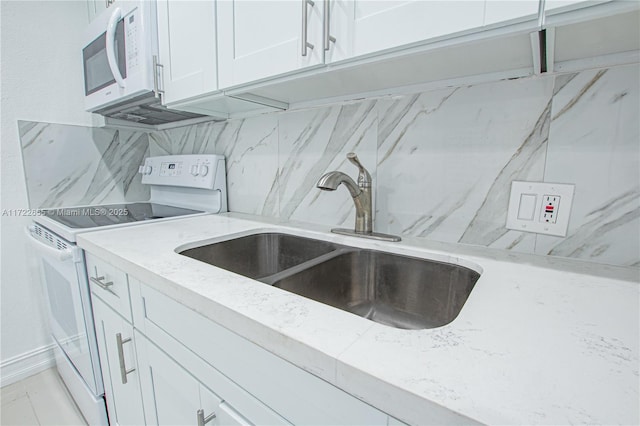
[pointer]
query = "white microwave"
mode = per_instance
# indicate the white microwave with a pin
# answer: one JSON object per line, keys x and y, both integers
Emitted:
{"x": 118, "y": 54}
{"x": 119, "y": 65}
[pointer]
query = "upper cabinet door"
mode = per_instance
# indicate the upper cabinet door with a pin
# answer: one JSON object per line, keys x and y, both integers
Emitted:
{"x": 551, "y": 5}
{"x": 497, "y": 11}
{"x": 187, "y": 48}
{"x": 372, "y": 26}
{"x": 261, "y": 39}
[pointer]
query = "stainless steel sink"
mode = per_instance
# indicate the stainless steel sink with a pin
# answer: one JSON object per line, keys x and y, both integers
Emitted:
{"x": 399, "y": 291}
{"x": 260, "y": 255}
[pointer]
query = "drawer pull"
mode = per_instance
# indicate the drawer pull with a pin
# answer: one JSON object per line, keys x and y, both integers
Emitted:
{"x": 202, "y": 420}
{"x": 102, "y": 285}
{"x": 123, "y": 367}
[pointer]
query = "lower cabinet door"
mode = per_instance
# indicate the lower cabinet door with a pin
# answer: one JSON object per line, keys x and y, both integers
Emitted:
{"x": 173, "y": 396}
{"x": 119, "y": 366}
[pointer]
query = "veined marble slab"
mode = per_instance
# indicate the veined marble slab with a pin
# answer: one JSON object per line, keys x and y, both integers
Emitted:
{"x": 594, "y": 143}
{"x": 250, "y": 147}
{"x": 75, "y": 165}
{"x": 446, "y": 159}
{"x": 314, "y": 142}
{"x": 442, "y": 161}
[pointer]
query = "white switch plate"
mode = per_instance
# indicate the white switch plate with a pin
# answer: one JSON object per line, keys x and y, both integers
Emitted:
{"x": 540, "y": 207}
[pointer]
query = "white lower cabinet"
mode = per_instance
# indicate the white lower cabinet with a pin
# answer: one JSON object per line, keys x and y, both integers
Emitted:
{"x": 173, "y": 366}
{"x": 119, "y": 365}
{"x": 261, "y": 386}
{"x": 173, "y": 396}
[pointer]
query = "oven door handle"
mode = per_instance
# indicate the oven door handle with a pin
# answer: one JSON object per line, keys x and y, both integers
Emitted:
{"x": 60, "y": 255}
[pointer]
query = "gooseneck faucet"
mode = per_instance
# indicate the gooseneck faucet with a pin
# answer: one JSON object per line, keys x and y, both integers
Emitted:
{"x": 361, "y": 194}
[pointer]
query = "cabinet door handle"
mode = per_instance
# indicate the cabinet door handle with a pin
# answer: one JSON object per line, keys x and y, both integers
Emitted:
{"x": 157, "y": 67}
{"x": 305, "y": 44}
{"x": 123, "y": 368}
{"x": 328, "y": 38}
{"x": 202, "y": 420}
{"x": 102, "y": 285}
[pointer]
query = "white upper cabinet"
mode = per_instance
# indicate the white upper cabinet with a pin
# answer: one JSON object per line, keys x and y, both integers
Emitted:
{"x": 363, "y": 26}
{"x": 95, "y": 7}
{"x": 497, "y": 11}
{"x": 187, "y": 49}
{"x": 259, "y": 39}
{"x": 571, "y": 4}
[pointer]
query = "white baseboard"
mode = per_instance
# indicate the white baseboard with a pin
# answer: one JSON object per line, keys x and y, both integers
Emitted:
{"x": 26, "y": 364}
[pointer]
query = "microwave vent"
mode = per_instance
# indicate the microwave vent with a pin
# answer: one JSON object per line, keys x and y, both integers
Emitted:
{"x": 145, "y": 109}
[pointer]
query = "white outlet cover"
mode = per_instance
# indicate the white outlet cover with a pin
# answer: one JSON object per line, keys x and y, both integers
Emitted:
{"x": 527, "y": 202}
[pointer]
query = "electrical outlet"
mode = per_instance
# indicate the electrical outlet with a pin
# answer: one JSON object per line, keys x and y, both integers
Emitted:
{"x": 550, "y": 207}
{"x": 536, "y": 207}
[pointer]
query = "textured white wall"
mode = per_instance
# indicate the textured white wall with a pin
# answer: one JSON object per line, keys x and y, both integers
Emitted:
{"x": 41, "y": 81}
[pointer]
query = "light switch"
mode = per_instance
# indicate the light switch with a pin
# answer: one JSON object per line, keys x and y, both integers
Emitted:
{"x": 536, "y": 207}
{"x": 527, "y": 207}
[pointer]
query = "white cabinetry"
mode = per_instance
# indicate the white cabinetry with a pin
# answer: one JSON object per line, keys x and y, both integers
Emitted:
{"x": 190, "y": 69}
{"x": 95, "y": 7}
{"x": 259, "y": 39}
{"x": 550, "y": 5}
{"x": 173, "y": 396}
{"x": 165, "y": 364}
{"x": 187, "y": 48}
{"x": 264, "y": 388}
{"x": 119, "y": 366}
{"x": 366, "y": 26}
{"x": 500, "y": 11}
{"x": 109, "y": 284}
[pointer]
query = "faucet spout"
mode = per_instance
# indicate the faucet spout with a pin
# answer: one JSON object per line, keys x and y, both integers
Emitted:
{"x": 360, "y": 192}
{"x": 330, "y": 182}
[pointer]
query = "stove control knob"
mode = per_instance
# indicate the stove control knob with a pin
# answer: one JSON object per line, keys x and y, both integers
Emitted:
{"x": 147, "y": 170}
{"x": 203, "y": 170}
{"x": 141, "y": 170}
{"x": 194, "y": 170}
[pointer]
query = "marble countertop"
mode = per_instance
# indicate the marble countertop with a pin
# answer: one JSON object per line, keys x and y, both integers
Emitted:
{"x": 539, "y": 341}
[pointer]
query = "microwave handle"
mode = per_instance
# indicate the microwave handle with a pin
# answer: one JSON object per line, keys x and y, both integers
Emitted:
{"x": 111, "y": 43}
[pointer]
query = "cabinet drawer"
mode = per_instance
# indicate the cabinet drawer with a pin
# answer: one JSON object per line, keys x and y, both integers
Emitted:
{"x": 109, "y": 284}
{"x": 296, "y": 395}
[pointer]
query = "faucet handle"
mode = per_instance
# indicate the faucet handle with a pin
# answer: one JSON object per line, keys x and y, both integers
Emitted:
{"x": 364, "y": 178}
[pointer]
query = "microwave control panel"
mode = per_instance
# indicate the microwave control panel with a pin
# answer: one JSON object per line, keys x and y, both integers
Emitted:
{"x": 193, "y": 171}
{"x": 131, "y": 39}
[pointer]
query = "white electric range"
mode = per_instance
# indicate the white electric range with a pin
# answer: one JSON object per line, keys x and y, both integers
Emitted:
{"x": 180, "y": 185}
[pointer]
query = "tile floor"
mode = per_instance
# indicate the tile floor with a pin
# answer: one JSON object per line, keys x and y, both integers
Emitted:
{"x": 41, "y": 399}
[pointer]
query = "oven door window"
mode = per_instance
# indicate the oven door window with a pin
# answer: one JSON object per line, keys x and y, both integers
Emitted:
{"x": 97, "y": 74}
{"x": 66, "y": 311}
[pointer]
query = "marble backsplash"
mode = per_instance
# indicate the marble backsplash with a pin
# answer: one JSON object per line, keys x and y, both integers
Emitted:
{"x": 442, "y": 161}
{"x": 77, "y": 166}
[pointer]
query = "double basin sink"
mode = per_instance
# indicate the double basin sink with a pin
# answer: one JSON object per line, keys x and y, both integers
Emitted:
{"x": 395, "y": 290}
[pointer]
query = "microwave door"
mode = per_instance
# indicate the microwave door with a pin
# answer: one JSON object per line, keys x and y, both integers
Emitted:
{"x": 112, "y": 43}
{"x": 98, "y": 72}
